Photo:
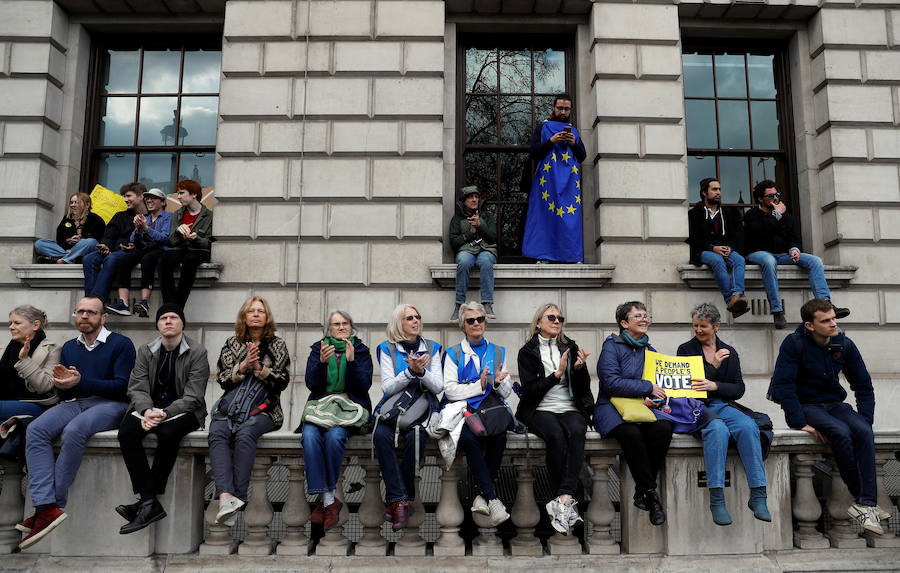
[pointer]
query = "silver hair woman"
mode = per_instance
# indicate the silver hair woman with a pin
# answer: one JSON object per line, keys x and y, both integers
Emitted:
{"x": 26, "y": 367}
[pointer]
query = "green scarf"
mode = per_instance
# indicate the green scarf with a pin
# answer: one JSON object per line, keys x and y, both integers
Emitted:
{"x": 639, "y": 343}
{"x": 337, "y": 373}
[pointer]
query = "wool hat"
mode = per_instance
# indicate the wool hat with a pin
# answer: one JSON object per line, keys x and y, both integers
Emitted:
{"x": 170, "y": 307}
{"x": 468, "y": 190}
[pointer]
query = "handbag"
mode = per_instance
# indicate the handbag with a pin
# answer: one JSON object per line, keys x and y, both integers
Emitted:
{"x": 491, "y": 418}
{"x": 684, "y": 413}
{"x": 633, "y": 409}
{"x": 334, "y": 410}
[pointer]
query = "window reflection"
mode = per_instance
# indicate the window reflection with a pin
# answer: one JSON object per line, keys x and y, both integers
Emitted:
{"x": 117, "y": 121}
{"x": 198, "y": 167}
{"x": 516, "y": 124}
{"x": 762, "y": 76}
{"x": 115, "y": 170}
{"x": 157, "y": 121}
{"x": 698, "y": 75}
{"x": 201, "y": 71}
{"x": 700, "y": 119}
{"x": 161, "y": 71}
{"x": 121, "y": 71}
{"x": 765, "y": 124}
{"x": 481, "y": 119}
{"x": 198, "y": 120}
{"x": 157, "y": 170}
{"x": 699, "y": 167}
{"x": 734, "y": 125}
{"x": 481, "y": 170}
{"x": 481, "y": 70}
{"x": 731, "y": 80}
{"x": 734, "y": 174}
{"x": 550, "y": 71}
{"x": 515, "y": 71}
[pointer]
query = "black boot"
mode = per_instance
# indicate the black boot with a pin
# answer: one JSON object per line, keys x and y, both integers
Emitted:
{"x": 657, "y": 514}
{"x": 130, "y": 511}
{"x": 150, "y": 511}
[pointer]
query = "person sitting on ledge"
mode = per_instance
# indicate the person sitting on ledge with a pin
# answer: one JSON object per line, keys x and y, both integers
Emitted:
{"x": 473, "y": 235}
{"x": 167, "y": 391}
{"x": 76, "y": 235}
{"x": 190, "y": 243}
{"x": 26, "y": 368}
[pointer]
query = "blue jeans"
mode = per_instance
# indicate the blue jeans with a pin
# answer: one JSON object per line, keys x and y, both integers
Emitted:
{"x": 399, "y": 479}
{"x": 323, "y": 455}
{"x": 852, "y": 443}
{"x": 50, "y": 248}
{"x": 464, "y": 263}
{"x": 99, "y": 272}
{"x": 769, "y": 263}
{"x": 731, "y": 423}
{"x": 721, "y": 267}
{"x": 10, "y": 408}
{"x": 483, "y": 462}
{"x": 77, "y": 420}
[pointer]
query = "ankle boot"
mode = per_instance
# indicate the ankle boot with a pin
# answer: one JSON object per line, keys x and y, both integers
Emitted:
{"x": 717, "y": 506}
{"x": 657, "y": 514}
{"x": 757, "y": 503}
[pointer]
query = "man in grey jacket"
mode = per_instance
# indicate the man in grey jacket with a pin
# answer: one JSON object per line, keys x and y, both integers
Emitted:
{"x": 166, "y": 391}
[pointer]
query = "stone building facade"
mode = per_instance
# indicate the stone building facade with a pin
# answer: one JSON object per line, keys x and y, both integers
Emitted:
{"x": 338, "y": 143}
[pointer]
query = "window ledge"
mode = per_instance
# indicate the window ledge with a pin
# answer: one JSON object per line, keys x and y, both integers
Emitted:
{"x": 789, "y": 276}
{"x": 72, "y": 276}
{"x": 529, "y": 276}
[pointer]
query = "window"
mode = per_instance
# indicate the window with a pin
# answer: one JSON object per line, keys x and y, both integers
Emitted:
{"x": 736, "y": 120}
{"x": 509, "y": 87}
{"x": 155, "y": 111}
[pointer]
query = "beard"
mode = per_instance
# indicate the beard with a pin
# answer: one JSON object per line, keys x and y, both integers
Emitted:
{"x": 714, "y": 200}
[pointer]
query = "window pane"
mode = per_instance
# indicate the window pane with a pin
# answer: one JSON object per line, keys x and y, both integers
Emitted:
{"x": 700, "y": 119}
{"x": 481, "y": 70}
{"x": 543, "y": 107}
{"x": 515, "y": 176}
{"x": 481, "y": 170}
{"x": 515, "y": 71}
{"x": 550, "y": 71}
{"x": 515, "y": 120}
{"x": 699, "y": 168}
{"x": 199, "y": 167}
{"x": 120, "y": 71}
{"x": 762, "y": 76}
{"x": 481, "y": 119}
{"x": 161, "y": 70}
{"x": 734, "y": 174}
{"x": 201, "y": 71}
{"x": 117, "y": 120}
{"x": 511, "y": 218}
{"x": 698, "y": 75}
{"x": 763, "y": 168}
{"x": 734, "y": 125}
{"x": 765, "y": 124}
{"x": 198, "y": 120}
{"x": 115, "y": 170}
{"x": 157, "y": 170}
{"x": 158, "y": 121}
{"x": 731, "y": 80}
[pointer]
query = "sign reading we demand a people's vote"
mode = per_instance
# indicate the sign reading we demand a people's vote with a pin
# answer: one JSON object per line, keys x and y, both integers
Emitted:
{"x": 674, "y": 373}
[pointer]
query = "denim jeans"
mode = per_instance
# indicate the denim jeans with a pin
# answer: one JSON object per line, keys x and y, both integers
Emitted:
{"x": 50, "y": 248}
{"x": 99, "y": 272}
{"x": 10, "y": 408}
{"x": 769, "y": 263}
{"x": 464, "y": 263}
{"x": 323, "y": 455}
{"x": 852, "y": 443}
{"x": 721, "y": 267}
{"x": 399, "y": 478}
{"x": 731, "y": 423}
{"x": 232, "y": 474}
{"x": 483, "y": 461}
{"x": 77, "y": 420}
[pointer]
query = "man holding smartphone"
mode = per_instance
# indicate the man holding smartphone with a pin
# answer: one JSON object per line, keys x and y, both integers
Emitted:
{"x": 562, "y": 112}
{"x": 772, "y": 238}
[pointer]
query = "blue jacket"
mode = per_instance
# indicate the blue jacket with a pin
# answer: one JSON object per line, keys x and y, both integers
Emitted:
{"x": 806, "y": 373}
{"x": 358, "y": 379}
{"x": 157, "y": 233}
{"x": 621, "y": 371}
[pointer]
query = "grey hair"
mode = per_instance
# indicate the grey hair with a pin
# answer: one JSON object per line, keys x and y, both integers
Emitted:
{"x": 471, "y": 305}
{"x": 31, "y": 314}
{"x": 345, "y": 314}
{"x": 706, "y": 311}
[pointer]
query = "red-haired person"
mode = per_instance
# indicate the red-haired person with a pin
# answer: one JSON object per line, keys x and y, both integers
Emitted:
{"x": 190, "y": 242}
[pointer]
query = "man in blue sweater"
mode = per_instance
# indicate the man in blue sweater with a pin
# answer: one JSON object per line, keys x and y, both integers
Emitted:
{"x": 806, "y": 385}
{"x": 91, "y": 380}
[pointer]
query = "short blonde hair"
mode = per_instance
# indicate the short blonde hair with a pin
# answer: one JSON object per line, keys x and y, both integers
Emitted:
{"x": 537, "y": 318}
{"x": 240, "y": 325}
{"x": 394, "y": 329}
{"x": 466, "y": 306}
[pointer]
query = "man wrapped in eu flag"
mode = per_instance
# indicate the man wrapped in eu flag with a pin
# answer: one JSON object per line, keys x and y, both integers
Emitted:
{"x": 553, "y": 229}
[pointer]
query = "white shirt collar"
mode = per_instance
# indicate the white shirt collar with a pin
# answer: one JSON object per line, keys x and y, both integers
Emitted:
{"x": 101, "y": 339}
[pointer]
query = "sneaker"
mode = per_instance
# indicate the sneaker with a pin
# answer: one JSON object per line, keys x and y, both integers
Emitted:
{"x": 318, "y": 513}
{"x": 866, "y": 517}
{"x": 479, "y": 505}
{"x": 45, "y": 521}
{"x": 497, "y": 511}
{"x": 120, "y": 307}
{"x": 489, "y": 310}
{"x": 558, "y": 516}
{"x": 455, "y": 316}
{"x": 780, "y": 320}
{"x": 231, "y": 520}
{"x": 332, "y": 514}
{"x": 26, "y": 524}
{"x": 227, "y": 508}
{"x": 840, "y": 312}
{"x": 881, "y": 513}
{"x": 572, "y": 512}
{"x": 142, "y": 308}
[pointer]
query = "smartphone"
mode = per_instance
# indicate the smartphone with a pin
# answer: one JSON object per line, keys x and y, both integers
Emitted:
{"x": 656, "y": 400}
{"x": 568, "y": 129}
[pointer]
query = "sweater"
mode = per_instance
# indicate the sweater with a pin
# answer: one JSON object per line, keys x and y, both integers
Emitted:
{"x": 105, "y": 370}
{"x": 275, "y": 374}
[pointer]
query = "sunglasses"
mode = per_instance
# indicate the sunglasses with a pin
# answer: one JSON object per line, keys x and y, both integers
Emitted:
{"x": 413, "y": 317}
{"x": 472, "y": 320}
{"x": 770, "y": 195}
{"x": 554, "y": 318}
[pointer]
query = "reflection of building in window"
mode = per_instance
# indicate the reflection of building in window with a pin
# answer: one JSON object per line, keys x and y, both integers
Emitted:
{"x": 509, "y": 87}
{"x": 736, "y": 118}
{"x": 154, "y": 117}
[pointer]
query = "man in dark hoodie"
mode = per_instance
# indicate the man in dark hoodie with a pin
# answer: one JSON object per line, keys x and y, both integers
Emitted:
{"x": 473, "y": 235}
{"x": 806, "y": 385}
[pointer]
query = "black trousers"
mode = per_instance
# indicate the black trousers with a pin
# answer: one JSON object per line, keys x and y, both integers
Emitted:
{"x": 146, "y": 480}
{"x": 644, "y": 447}
{"x": 563, "y": 436}
{"x": 190, "y": 261}
{"x": 147, "y": 258}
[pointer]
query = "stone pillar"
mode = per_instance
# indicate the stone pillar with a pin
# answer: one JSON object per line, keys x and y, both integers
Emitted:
{"x": 601, "y": 512}
{"x": 487, "y": 544}
{"x": 412, "y": 544}
{"x": 525, "y": 513}
{"x": 371, "y": 512}
{"x": 884, "y": 502}
{"x": 841, "y": 533}
{"x": 805, "y": 506}
{"x": 449, "y": 515}
{"x": 334, "y": 543}
{"x": 295, "y": 513}
{"x": 218, "y": 542}
{"x": 12, "y": 505}
{"x": 258, "y": 513}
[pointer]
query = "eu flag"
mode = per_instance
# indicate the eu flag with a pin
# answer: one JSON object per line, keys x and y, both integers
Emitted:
{"x": 553, "y": 224}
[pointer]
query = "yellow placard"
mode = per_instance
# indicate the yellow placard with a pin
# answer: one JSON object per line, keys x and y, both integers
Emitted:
{"x": 674, "y": 373}
{"x": 106, "y": 203}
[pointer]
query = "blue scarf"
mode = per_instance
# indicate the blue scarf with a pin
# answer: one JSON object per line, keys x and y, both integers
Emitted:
{"x": 639, "y": 343}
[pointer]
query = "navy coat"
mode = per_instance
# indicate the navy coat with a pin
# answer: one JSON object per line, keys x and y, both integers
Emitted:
{"x": 621, "y": 370}
{"x": 358, "y": 379}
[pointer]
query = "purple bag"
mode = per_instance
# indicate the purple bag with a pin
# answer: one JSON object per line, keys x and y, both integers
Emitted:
{"x": 684, "y": 413}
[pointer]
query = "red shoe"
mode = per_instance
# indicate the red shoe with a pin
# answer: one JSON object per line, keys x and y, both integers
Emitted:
{"x": 26, "y": 525}
{"x": 389, "y": 512}
{"x": 332, "y": 514}
{"x": 401, "y": 512}
{"x": 318, "y": 514}
{"x": 44, "y": 522}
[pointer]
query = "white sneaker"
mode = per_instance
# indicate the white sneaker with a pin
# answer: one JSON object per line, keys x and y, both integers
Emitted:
{"x": 881, "y": 513}
{"x": 479, "y": 505}
{"x": 866, "y": 517}
{"x": 558, "y": 517}
{"x": 497, "y": 512}
{"x": 227, "y": 508}
{"x": 572, "y": 512}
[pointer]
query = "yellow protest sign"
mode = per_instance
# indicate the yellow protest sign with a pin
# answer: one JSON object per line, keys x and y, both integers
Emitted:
{"x": 106, "y": 203}
{"x": 674, "y": 373}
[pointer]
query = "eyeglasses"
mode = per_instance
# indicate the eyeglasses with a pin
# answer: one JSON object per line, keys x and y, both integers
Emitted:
{"x": 473, "y": 319}
{"x": 413, "y": 317}
{"x": 771, "y": 195}
{"x": 554, "y": 318}
{"x": 640, "y": 317}
{"x": 87, "y": 312}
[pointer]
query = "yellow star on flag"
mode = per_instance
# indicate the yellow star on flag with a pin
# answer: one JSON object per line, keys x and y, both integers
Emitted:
{"x": 574, "y": 169}
{"x": 570, "y": 209}
{"x": 544, "y": 195}
{"x": 559, "y": 211}
{"x": 578, "y": 183}
{"x": 553, "y": 156}
{"x": 566, "y": 157}
{"x": 546, "y": 167}
{"x": 542, "y": 181}
{"x": 552, "y": 206}
{"x": 578, "y": 198}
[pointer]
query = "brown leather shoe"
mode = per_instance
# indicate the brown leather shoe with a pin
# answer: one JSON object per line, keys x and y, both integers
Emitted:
{"x": 738, "y": 305}
{"x": 332, "y": 514}
{"x": 400, "y": 511}
{"x": 318, "y": 513}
